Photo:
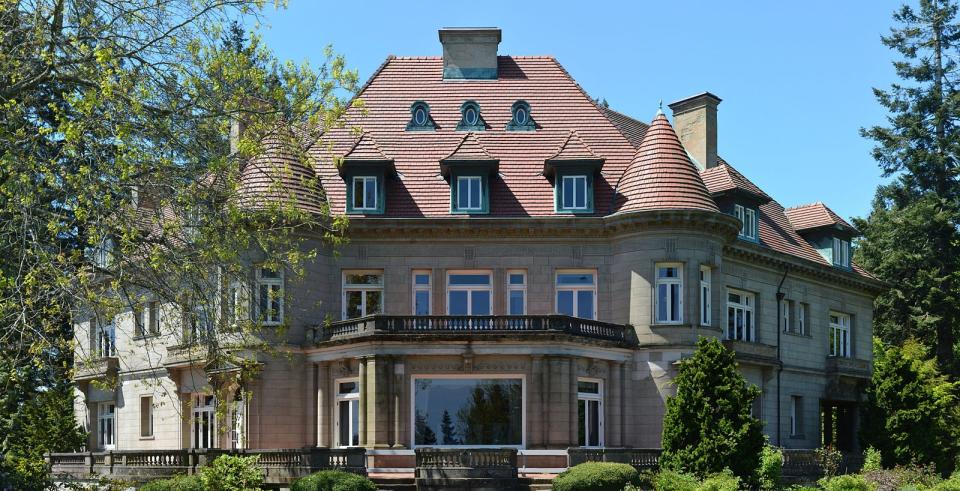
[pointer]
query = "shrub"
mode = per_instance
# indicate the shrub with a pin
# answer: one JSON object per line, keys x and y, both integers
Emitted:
{"x": 901, "y": 478}
{"x": 333, "y": 481}
{"x": 176, "y": 483}
{"x": 724, "y": 481}
{"x": 771, "y": 463}
{"x": 829, "y": 459}
{"x": 667, "y": 480}
{"x": 872, "y": 460}
{"x": 596, "y": 476}
{"x": 952, "y": 484}
{"x": 232, "y": 473}
{"x": 847, "y": 482}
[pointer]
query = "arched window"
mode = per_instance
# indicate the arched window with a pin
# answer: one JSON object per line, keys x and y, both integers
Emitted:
{"x": 420, "y": 119}
{"x": 521, "y": 120}
{"x": 470, "y": 117}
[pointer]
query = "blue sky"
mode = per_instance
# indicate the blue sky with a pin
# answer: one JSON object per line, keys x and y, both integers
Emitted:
{"x": 795, "y": 77}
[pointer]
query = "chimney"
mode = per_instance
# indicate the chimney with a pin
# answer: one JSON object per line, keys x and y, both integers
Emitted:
{"x": 695, "y": 119}
{"x": 470, "y": 53}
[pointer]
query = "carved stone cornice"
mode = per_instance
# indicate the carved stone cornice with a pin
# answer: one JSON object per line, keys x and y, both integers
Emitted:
{"x": 762, "y": 256}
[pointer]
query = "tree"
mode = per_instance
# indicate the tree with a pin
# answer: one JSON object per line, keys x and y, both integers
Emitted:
{"x": 447, "y": 430}
{"x": 910, "y": 238}
{"x": 911, "y": 413}
{"x": 424, "y": 434}
{"x": 708, "y": 426}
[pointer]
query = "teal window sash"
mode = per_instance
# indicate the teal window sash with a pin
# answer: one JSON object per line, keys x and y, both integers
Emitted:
{"x": 373, "y": 197}
{"x": 472, "y": 191}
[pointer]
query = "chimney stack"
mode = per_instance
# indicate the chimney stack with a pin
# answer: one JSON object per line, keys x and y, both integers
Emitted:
{"x": 695, "y": 119}
{"x": 470, "y": 53}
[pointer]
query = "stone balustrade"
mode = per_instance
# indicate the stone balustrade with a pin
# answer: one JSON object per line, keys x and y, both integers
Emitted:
{"x": 476, "y": 469}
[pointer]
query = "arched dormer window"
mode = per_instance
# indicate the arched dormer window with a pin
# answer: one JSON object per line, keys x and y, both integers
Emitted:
{"x": 470, "y": 118}
{"x": 420, "y": 119}
{"x": 521, "y": 120}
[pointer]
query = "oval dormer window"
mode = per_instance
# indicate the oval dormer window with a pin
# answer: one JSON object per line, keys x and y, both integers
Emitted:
{"x": 521, "y": 116}
{"x": 521, "y": 120}
{"x": 470, "y": 116}
{"x": 420, "y": 116}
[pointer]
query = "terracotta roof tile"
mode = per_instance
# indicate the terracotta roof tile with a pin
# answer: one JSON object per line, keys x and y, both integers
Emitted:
{"x": 468, "y": 150}
{"x": 366, "y": 149}
{"x": 815, "y": 215}
{"x": 573, "y": 148}
{"x": 661, "y": 176}
{"x": 724, "y": 178}
{"x": 279, "y": 175}
{"x": 632, "y": 129}
{"x": 777, "y": 233}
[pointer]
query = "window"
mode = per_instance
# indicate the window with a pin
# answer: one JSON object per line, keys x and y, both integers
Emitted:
{"x": 590, "y": 412}
{"x": 269, "y": 296}
{"x": 574, "y": 192}
{"x": 839, "y": 334}
{"x": 516, "y": 292}
{"x": 740, "y": 316}
{"x": 748, "y": 218}
{"x": 785, "y": 307}
{"x": 103, "y": 254}
{"x": 198, "y": 324}
{"x": 237, "y": 303}
{"x": 421, "y": 293}
{"x": 104, "y": 339}
{"x": 802, "y": 319}
{"x": 796, "y": 416}
{"x": 365, "y": 193}
{"x": 469, "y": 293}
{"x": 153, "y": 311}
{"x": 521, "y": 120}
{"x": 362, "y": 293}
{"x": 841, "y": 252}
{"x": 203, "y": 430}
{"x": 669, "y": 294}
{"x": 705, "y": 300}
{"x": 238, "y": 422}
{"x": 106, "y": 425}
{"x": 146, "y": 416}
{"x": 420, "y": 119}
{"x": 348, "y": 413}
{"x": 469, "y": 193}
{"x": 458, "y": 411}
{"x": 139, "y": 321}
{"x": 577, "y": 293}
{"x": 470, "y": 118}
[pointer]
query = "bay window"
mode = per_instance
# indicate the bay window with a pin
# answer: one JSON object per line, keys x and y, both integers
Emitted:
{"x": 577, "y": 293}
{"x": 668, "y": 303}
{"x": 362, "y": 293}
{"x": 469, "y": 293}
{"x": 468, "y": 411}
{"x": 740, "y": 316}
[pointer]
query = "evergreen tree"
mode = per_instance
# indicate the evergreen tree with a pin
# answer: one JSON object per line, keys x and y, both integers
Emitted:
{"x": 708, "y": 426}
{"x": 911, "y": 414}
{"x": 910, "y": 238}
{"x": 447, "y": 430}
{"x": 424, "y": 434}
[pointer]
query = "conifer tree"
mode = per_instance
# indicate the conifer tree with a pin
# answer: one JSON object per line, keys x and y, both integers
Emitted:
{"x": 708, "y": 426}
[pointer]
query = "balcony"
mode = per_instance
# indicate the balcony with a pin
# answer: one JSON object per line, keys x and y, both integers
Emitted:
{"x": 184, "y": 355}
{"x": 753, "y": 353}
{"x": 848, "y": 367}
{"x": 495, "y": 327}
{"x": 96, "y": 368}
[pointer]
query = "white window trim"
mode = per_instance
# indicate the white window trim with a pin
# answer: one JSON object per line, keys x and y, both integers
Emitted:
{"x": 785, "y": 315}
{"x": 376, "y": 191}
{"x": 104, "y": 338}
{"x": 353, "y": 396}
{"x": 752, "y": 308}
{"x": 211, "y": 411}
{"x": 523, "y": 406}
{"x": 268, "y": 282}
{"x": 346, "y": 288}
{"x": 586, "y": 396}
{"x": 577, "y": 179}
{"x": 575, "y": 288}
{"x": 841, "y": 252}
{"x": 237, "y": 418}
{"x": 415, "y": 288}
{"x": 113, "y": 425}
{"x": 470, "y": 205}
{"x": 802, "y": 319}
{"x": 667, "y": 281}
{"x": 840, "y": 331}
{"x": 706, "y": 293}
{"x": 748, "y": 218}
{"x": 469, "y": 288}
{"x": 513, "y": 288}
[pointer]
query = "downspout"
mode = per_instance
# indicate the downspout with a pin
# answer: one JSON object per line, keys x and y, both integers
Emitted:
{"x": 780, "y": 296}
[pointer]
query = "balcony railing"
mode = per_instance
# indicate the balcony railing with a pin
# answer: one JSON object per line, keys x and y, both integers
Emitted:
{"x": 850, "y": 367}
{"x": 491, "y": 324}
{"x": 466, "y": 468}
{"x": 96, "y": 368}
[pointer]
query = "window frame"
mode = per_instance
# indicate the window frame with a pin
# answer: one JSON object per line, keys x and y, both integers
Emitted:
{"x": 469, "y": 178}
{"x": 464, "y": 125}
{"x": 107, "y": 431}
{"x": 515, "y": 124}
{"x": 668, "y": 281}
{"x": 346, "y": 288}
{"x": 796, "y": 416}
{"x": 588, "y": 397}
{"x": 208, "y": 413}
{"x": 469, "y": 289}
{"x": 153, "y": 309}
{"x": 845, "y": 331}
{"x": 512, "y": 287}
{"x": 146, "y": 418}
{"x": 363, "y": 208}
{"x": 350, "y": 398}
{"x": 751, "y": 308}
{"x": 706, "y": 295}
{"x": 428, "y": 123}
{"x": 802, "y": 327}
{"x": 416, "y": 288}
{"x": 269, "y": 283}
{"x": 749, "y": 219}
{"x": 557, "y": 287}
{"x": 785, "y": 320}
{"x": 841, "y": 252}
{"x": 104, "y": 338}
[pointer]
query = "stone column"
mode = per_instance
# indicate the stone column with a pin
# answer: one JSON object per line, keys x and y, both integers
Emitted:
{"x": 614, "y": 406}
{"x": 535, "y": 412}
{"x": 310, "y": 401}
{"x": 573, "y": 436}
{"x": 323, "y": 407}
{"x": 397, "y": 389}
{"x": 364, "y": 398}
{"x": 559, "y": 425}
{"x": 375, "y": 402}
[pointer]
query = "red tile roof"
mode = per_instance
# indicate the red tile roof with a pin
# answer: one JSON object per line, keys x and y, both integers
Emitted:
{"x": 366, "y": 149}
{"x": 724, "y": 178}
{"x": 468, "y": 150}
{"x": 278, "y": 175}
{"x": 815, "y": 215}
{"x": 777, "y": 233}
{"x": 573, "y": 148}
{"x": 661, "y": 176}
{"x": 631, "y": 129}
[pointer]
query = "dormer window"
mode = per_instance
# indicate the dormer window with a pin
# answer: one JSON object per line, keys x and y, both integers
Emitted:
{"x": 521, "y": 120}
{"x": 470, "y": 118}
{"x": 574, "y": 193}
{"x": 365, "y": 193}
{"x": 841, "y": 252}
{"x": 469, "y": 194}
{"x": 748, "y": 218}
{"x": 420, "y": 119}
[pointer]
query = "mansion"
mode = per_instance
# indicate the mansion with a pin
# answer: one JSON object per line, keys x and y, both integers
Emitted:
{"x": 525, "y": 269}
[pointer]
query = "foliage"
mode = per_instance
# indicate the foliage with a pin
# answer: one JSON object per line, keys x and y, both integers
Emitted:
{"x": 232, "y": 473}
{"x": 708, "y": 426}
{"x": 847, "y": 482}
{"x": 669, "y": 480}
{"x": 177, "y": 483}
{"x": 596, "y": 476}
{"x": 771, "y": 463}
{"x": 911, "y": 414}
{"x": 724, "y": 481}
{"x": 872, "y": 460}
{"x": 829, "y": 459}
{"x": 333, "y": 481}
{"x": 902, "y": 477}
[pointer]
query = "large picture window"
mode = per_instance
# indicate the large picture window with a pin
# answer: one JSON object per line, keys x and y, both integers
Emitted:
{"x": 839, "y": 334}
{"x": 348, "y": 413}
{"x": 454, "y": 411}
{"x": 362, "y": 293}
{"x": 669, "y": 294}
{"x": 577, "y": 293}
{"x": 740, "y": 316}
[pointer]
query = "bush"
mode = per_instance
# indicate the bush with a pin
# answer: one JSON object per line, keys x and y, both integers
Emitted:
{"x": 667, "y": 480}
{"x": 952, "y": 484}
{"x": 333, "y": 481}
{"x": 771, "y": 463}
{"x": 176, "y": 483}
{"x": 847, "y": 482}
{"x": 872, "y": 460}
{"x": 596, "y": 476}
{"x": 232, "y": 473}
{"x": 724, "y": 481}
{"x": 898, "y": 478}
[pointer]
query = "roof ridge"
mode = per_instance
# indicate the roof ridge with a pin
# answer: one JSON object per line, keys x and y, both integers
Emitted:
{"x": 807, "y": 205}
{"x": 573, "y": 136}
{"x": 366, "y": 136}
{"x": 469, "y": 136}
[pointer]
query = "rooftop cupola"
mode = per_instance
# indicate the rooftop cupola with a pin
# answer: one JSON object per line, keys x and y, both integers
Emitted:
{"x": 470, "y": 53}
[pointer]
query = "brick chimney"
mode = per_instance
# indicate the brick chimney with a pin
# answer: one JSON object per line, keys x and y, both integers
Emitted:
{"x": 695, "y": 120}
{"x": 470, "y": 53}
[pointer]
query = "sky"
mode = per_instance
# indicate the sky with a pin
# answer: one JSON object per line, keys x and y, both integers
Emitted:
{"x": 795, "y": 78}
